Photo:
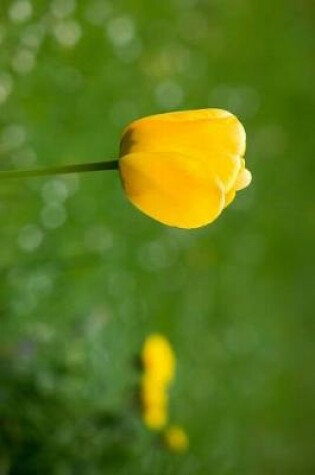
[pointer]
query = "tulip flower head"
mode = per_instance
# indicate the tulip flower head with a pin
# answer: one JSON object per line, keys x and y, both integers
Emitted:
{"x": 180, "y": 168}
{"x": 183, "y": 168}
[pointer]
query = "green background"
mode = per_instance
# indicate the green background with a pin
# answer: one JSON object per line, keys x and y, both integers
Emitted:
{"x": 85, "y": 277}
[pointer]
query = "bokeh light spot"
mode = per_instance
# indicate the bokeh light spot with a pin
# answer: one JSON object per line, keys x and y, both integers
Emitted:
{"x": 20, "y": 11}
{"x": 67, "y": 33}
{"x": 55, "y": 190}
{"x": 121, "y": 30}
{"x": 23, "y": 61}
{"x": 169, "y": 94}
{"x": 53, "y": 215}
{"x": 6, "y": 86}
{"x": 63, "y": 8}
{"x": 30, "y": 237}
{"x": 13, "y": 136}
{"x": 98, "y": 11}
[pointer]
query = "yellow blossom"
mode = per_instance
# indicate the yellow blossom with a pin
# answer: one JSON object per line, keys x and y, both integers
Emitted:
{"x": 153, "y": 391}
{"x": 158, "y": 358}
{"x": 183, "y": 168}
{"x": 176, "y": 439}
{"x": 159, "y": 369}
{"x": 155, "y": 417}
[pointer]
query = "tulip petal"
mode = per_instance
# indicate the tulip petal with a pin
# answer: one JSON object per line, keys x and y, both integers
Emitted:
{"x": 229, "y": 197}
{"x": 214, "y": 136}
{"x": 227, "y": 168}
{"x": 194, "y": 114}
{"x": 172, "y": 188}
{"x": 203, "y": 132}
{"x": 243, "y": 180}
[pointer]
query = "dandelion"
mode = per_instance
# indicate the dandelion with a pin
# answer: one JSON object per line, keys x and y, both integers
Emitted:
{"x": 159, "y": 364}
{"x": 155, "y": 417}
{"x": 158, "y": 357}
{"x": 158, "y": 361}
{"x": 153, "y": 390}
{"x": 176, "y": 439}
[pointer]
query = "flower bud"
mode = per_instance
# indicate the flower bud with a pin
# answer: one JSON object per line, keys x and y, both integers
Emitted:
{"x": 183, "y": 168}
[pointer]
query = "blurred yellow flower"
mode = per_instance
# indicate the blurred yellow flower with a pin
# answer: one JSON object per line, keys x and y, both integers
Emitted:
{"x": 159, "y": 370}
{"x": 158, "y": 358}
{"x": 176, "y": 439}
{"x": 155, "y": 417}
{"x": 183, "y": 168}
{"x": 153, "y": 391}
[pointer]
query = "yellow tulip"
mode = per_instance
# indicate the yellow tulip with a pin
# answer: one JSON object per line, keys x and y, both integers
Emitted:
{"x": 183, "y": 168}
{"x": 180, "y": 168}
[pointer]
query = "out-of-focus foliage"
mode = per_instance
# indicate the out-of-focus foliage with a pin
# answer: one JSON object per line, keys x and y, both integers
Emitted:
{"x": 85, "y": 277}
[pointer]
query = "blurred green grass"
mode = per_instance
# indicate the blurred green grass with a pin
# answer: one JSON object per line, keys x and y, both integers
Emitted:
{"x": 85, "y": 277}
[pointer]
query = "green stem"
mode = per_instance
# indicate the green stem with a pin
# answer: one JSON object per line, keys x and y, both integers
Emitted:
{"x": 62, "y": 170}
